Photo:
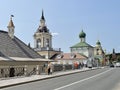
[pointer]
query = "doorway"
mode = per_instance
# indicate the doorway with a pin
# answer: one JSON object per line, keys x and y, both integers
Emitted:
{"x": 12, "y": 72}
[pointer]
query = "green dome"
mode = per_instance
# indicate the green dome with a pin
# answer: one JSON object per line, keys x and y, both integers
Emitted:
{"x": 82, "y": 34}
{"x": 98, "y": 43}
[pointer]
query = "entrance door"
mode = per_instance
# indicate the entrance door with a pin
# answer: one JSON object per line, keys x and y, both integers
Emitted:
{"x": 12, "y": 72}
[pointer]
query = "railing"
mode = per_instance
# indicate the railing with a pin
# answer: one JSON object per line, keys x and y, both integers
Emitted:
{"x": 47, "y": 49}
{"x": 17, "y": 71}
{"x": 20, "y": 73}
{"x": 33, "y": 72}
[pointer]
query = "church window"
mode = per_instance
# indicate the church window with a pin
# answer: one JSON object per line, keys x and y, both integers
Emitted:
{"x": 47, "y": 42}
{"x": 73, "y": 49}
{"x": 38, "y": 43}
{"x": 97, "y": 51}
{"x": 59, "y": 56}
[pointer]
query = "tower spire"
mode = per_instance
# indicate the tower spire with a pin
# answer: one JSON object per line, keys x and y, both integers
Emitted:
{"x": 11, "y": 27}
{"x": 113, "y": 51}
{"x": 11, "y": 24}
{"x": 42, "y": 17}
{"x": 42, "y": 20}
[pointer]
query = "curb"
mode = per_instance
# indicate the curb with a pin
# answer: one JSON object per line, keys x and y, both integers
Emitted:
{"x": 45, "y": 78}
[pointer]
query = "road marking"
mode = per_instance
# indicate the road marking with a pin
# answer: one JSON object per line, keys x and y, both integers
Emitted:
{"x": 82, "y": 80}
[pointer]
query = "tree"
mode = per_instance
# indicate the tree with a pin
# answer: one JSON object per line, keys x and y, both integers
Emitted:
{"x": 118, "y": 58}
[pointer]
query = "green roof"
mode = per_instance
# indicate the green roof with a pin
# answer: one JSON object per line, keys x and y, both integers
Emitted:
{"x": 98, "y": 42}
{"x": 82, "y": 34}
{"x": 81, "y": 44}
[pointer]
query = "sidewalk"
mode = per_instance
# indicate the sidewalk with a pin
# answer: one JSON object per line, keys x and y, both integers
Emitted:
{"x": 22, "y": 80}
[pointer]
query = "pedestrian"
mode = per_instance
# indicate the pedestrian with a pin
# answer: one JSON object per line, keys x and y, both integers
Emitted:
{"x": 2, "y": 72}
{"x": 79, "y": 65}
{"x": 82, "y": 65}
{"x": 51, "y": 71}
{"x": 48, "y": 70}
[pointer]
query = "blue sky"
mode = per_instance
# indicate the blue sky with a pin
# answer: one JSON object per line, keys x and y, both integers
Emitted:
{"x": 100, "y": 19}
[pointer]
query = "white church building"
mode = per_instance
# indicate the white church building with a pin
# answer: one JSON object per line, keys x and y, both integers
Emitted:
{"x": 83, "y": 47}
{"x": 92, "y": 53}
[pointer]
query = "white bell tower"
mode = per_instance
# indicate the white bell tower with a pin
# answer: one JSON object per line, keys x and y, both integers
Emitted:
{"x": 42, "y": 38}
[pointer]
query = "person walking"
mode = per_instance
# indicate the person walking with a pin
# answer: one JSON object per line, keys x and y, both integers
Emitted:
{"x": 51, "y": 71}
{"x": 48, "y": 70}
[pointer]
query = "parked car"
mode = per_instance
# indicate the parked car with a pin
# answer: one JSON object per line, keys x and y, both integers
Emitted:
{"x": 111, "y": 65}
{"x": 117, "y": 64}
{"x": 89, "y": 65}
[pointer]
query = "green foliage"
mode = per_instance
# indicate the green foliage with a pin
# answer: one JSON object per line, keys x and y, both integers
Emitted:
{"x": 118, "y": 58}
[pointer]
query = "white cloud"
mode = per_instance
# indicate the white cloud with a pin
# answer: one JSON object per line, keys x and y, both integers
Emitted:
{"x": 55, "y": 34}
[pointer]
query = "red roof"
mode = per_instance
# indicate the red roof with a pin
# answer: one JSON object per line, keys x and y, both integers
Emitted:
{"x": 70, "y": 56}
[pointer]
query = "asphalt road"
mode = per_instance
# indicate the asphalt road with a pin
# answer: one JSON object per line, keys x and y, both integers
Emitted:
{"x": 100, "y": 79}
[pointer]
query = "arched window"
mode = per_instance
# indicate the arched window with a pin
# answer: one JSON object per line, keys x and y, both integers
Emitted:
{"x": 38, "y": 43}
{"x": 47, "y": 42}
{"x": 97, "y": 51}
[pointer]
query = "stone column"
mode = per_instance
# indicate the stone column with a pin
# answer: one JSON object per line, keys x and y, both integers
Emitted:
{"x": 25, "y": 70}
{"x": 37, "y": 70}
{"x": 63, "y": 67}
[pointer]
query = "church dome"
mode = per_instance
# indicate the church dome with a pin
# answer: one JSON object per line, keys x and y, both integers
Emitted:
{"x": 82, "y": 34}
{"x": 98, "y": 43}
